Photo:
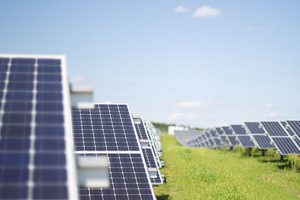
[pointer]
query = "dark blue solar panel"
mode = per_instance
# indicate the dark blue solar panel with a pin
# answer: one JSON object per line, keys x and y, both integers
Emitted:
{"x": 245, "y": 141}
{"x": 149, "y": 158}
{"x": 263, "y": 141}
{"x": 254, "y": 127}
{"x": 220, "y": 131}
{"x": 147, "y": 151}
{"x": 140, "y": 128}
{"x": 218, "y": 142}
{"x": 224, "y": 139}
{"x": 295, "y": 125}
{"x": 127, "y": 177}
{"x": 109, "y": 128}
{"x": 286, "y": 146}
{"x": 105, "y": 127}
{"x": 207, "y": 134}
{"x": 288, "y": 128}
{"x": 24, "y": 143}
{"x": 297, "y": 140}
{"x": 227, "y": 130}
{"x": 274, "y": 128}
{"x": 233, "y": 140}
{"x": 213, "y": 133}
{"x": 239, "y": 129}
{"x": 211, "y": 142}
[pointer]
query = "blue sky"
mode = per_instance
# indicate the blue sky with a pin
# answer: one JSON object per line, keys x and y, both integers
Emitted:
{"x": 201, "y": 63}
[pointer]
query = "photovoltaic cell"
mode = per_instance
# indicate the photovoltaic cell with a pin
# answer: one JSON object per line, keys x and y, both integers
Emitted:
{"x": 107, "y": 129}
{"x": 34, "y": 160}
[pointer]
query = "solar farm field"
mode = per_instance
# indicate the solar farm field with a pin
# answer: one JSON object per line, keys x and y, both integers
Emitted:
{"x": 200, "y": 173}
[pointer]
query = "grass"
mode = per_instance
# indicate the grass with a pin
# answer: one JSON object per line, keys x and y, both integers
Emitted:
{"x": 197, "y": 173}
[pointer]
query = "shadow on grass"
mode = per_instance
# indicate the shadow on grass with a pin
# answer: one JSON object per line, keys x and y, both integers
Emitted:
{"x": 163, "y": 197}
{"x": 279, "y": 163}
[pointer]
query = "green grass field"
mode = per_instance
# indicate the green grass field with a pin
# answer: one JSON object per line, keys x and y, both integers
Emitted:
{"x": 197, "y": 173}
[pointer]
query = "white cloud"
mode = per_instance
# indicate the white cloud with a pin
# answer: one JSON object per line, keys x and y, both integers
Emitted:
{"x": 206, "y": 11}
{"x": 190, "y": 104}
{"x": 181, "y": 9}
{"x": 273, "y": 115}
{"x": 181, "y": 116}
{"x": 254, "y": 28}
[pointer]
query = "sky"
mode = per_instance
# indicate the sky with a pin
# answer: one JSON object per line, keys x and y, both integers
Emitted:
{"x": 199, "y": 63}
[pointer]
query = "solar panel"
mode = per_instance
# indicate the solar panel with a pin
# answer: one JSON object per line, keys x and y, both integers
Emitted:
{"x": 287, "y": 128}
{"x": 231, "y": 138}
{"x": 258, "y": 134}
{"x": 140, "y": 128}
{"x": 241, "y": 133}
{"x": 274, "y": 128}
{"x": 295, "y": 125}
{"x": 285, "y": 145}
{"x": 154, "y": 139}
{"x": 213, "y": 133}
{"x": 218, "y": 142}
{"x": 148, "y": 152}
{"x": 36, "y": 155}
{"x": 281, "y": 139}
{"x": 238, "y": 129}
{"x": 254, "y": 127}
{"x": 127, "y": 178}
{"x": 107, "y": 129}
{"x": 227, "y": 130}
{"x": 220, "y": 131}
{"x": 224, "y": 139}
{"x": 245, "y": 141}
{"x": 183, "y": 137}
{"x": 263, "y": 141}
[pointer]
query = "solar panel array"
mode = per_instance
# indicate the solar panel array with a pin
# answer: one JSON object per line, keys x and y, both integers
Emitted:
{"x": 242, "y": 136}
{"x": 154, "y": 139}
{"x": 36, "y": 156}
{"x": 258, "y": 134}
{"x": 282, "y": 136}
{"x": 148, "y": 150}
{"x": 107, "y": 129}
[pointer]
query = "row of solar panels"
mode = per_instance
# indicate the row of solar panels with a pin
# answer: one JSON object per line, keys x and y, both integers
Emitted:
{"x": 110, "y": 130}
{"x": 283, "y": 136}
{"x": 39, "y": 132}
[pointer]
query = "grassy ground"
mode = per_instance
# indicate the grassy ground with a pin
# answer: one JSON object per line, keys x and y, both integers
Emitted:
{"x": 194, "y": 173}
